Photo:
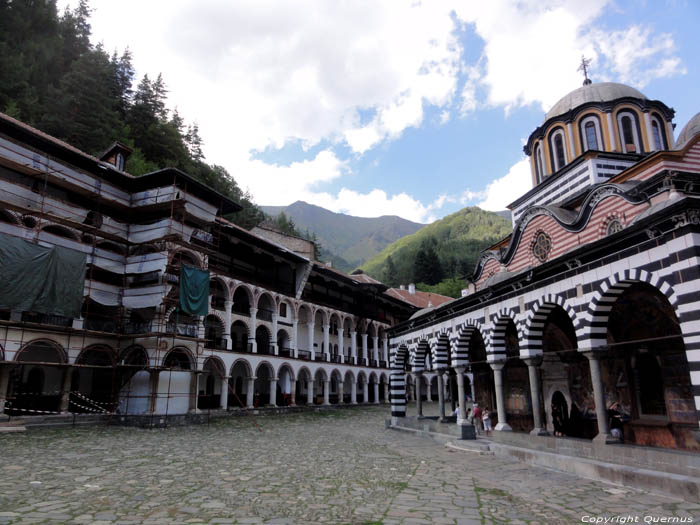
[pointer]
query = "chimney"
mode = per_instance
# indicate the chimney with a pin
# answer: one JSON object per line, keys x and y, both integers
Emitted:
{"x": 412, "y": 289}
{"x": 465, "y": 292}
{"x": 402, "y": 287}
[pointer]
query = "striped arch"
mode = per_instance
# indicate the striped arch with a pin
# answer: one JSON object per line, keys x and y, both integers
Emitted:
{"x": 460, "y": 349}
{"x": 496, "y": 345}
{"x": 397, "y": 382}
{"x": 219, "y": 316}
{"x": 535, "y": 322}
{"x": 441, "y": 348}
{"x": 419, "y": 354}
{"x": 594, "y": 333}
{"x": 222, "y": 281}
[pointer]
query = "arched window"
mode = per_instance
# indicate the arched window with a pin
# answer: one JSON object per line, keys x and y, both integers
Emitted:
{"x": 627, "y": 124}
{"x": 614, "y": 226}
{"x": 590, "y": 133}
{"x": 539, "y": 165}
{"x": 556, "y": 144}
{"x": 658, "y": 136}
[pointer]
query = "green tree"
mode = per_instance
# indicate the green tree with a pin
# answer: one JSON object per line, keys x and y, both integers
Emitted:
{"x": 390, "y": 275}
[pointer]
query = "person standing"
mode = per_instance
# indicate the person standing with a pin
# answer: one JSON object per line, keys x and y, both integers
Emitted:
{"x": 486, "y": 420}
{"x": 476, "y": 416}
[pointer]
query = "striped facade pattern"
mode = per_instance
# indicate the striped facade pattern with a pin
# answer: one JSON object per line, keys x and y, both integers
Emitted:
{"x": 419, "y": 356}
{"x": 671, "y": 264}
{"x": 531, "y": 344}
{"x": 461, "y": 347}
{"x": 397, "y": 381}
{"x": 441, "y": 350}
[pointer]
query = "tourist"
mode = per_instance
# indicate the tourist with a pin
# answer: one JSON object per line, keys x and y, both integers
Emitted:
{"x": 486, "y": 420}
{"x": 476, "y": 416}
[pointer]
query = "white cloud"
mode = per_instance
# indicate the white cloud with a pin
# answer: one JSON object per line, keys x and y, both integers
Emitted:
{"x": 532, "y": 49}
{"x": 505, "y": 190}
{"x": 257, "y": 74}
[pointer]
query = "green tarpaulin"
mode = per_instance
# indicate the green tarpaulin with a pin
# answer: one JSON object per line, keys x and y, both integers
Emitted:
{"x": 38, "y": 279}
{"x": 194, "y": 290}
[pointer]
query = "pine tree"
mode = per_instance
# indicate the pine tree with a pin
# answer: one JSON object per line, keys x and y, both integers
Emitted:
{"x": 390, "y": 278}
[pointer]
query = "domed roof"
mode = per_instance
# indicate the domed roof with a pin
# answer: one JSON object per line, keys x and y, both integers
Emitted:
{"x": 691, "y": 129}
{"x": 595, "y": 92}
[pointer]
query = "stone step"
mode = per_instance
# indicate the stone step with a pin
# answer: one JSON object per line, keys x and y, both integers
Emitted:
{"x": 11, "y": 423}
{"x": 14, "y": 427}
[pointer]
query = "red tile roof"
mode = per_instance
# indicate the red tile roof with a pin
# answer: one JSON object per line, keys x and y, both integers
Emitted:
{"x": 419, "y": 299}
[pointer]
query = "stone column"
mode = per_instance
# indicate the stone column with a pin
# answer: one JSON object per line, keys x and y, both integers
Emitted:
{"x": 419, "y": 387}
{"x": 500, "y": 402}
{"x": 227, "y": 324}
{"x": 65, "y": 388}
{"x": 4, "y": 381}
{"x": 385, "y": 344}
{"x": 201, "y": 331}
{"x": 327, "y": 342}
{"x": 353, "y": 346}
{"x": 353, "y": 393}
{"x": 375, "y": 392}
{"x": 441, "y": 394}
{"x": 365, "y": 357}
{"x": 387, "y": 399}
{"x": 293, "y": 392}
{"x": 250, "y": 393}
{"x": 533, "y": 364}
{"x": 310, "y": 332}
{"x": 599, "y": 397}
{"x": 365, "y": 392}
{"x": 155, "y": 376}
{"x": 326, "y": 392}
{"x": 428, "y": 393}
{"x": 310, "y": 392}
{"x": 375, "y": 343}
{"x": 273, "y": 392}
{"x": 295, "y": 343}
{"x": 471, "y": 382}
{"x": 223, "y": 403}
{"x": 341, "y": 392}
{"x": 341, "y": 344}
{"x": 462, "y": 419}
{"x": 275, "y": 347}
{"x": 251, "y": 331}
{"x": 194, "y": 390}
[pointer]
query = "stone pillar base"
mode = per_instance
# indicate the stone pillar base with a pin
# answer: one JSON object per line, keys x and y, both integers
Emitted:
{"x": 539, "y": 432}
{"x": 605, "y": 439}
{"x": 503, "y": 427}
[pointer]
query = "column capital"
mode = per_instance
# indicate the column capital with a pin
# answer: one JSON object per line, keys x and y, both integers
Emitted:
{"x": 533, "y": 360}
{"x": 460, "y": 369}
{"x": 497, "y": 365}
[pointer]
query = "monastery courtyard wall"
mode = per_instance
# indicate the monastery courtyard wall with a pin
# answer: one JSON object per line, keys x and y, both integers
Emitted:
{"x": 334, "y": 467}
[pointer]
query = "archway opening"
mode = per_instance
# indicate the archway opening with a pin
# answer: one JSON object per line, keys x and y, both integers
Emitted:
{"x": 36, "y": 384}
{"x": 516, "y": 384}
{"x": 646, "y": 376}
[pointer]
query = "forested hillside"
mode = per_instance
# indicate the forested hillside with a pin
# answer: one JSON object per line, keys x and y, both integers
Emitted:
{"x": 347, "y": 241}
{"x": 53, "y": 78}
{"x": 438, "y": 257}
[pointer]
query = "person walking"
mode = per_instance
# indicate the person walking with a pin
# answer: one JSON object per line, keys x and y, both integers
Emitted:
{"x": 486, "y": 420}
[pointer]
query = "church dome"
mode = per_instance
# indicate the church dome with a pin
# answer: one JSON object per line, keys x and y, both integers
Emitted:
{"x": 595, "y": 92}
{"x": 691, "y": 129}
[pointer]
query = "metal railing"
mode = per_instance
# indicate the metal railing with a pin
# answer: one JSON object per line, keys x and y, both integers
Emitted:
{"x": 304, "y": 354}
{"x": 188, "y": 330}
{"x": 240, "y": 310}
{"x": 265, "y": 349}
{"x": 265, "y": 315}
{"x": 137, "y": 328}
{"x": 286, "y": 351}
{"x": 336, "y": 359}
{"x": 217, "y": 343}
{"x": 54, "y": 320}
{"x": 100, "y": 325}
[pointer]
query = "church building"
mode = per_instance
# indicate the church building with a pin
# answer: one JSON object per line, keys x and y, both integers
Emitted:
{"x": 585, "y": 320}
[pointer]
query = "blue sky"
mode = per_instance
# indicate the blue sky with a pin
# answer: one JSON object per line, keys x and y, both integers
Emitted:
{"x": 407, "y": 108}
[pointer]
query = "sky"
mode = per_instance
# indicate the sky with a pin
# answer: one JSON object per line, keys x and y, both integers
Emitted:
{"x": 414, "y": 108}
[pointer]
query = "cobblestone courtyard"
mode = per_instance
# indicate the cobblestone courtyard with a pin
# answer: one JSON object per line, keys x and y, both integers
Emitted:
{"x": 334, "y": 467}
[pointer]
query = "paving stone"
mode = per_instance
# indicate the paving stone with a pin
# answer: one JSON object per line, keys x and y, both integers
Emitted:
{"x": 339, "y": 467}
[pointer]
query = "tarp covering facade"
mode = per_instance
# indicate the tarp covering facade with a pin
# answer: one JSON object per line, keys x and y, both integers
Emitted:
{"x": 194, "y": 290}
{"x": 38, "y": 279}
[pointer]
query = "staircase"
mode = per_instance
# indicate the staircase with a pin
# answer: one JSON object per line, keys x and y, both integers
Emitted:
{"x": 11, "y": 425}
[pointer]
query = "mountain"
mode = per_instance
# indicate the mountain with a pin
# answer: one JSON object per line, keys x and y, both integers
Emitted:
{"x": 352, "y": 240}
{"x": 457, "y": 240}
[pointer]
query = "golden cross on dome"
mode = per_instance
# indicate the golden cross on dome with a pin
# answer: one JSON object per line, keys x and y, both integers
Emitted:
{"x": 585, "y": 62}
